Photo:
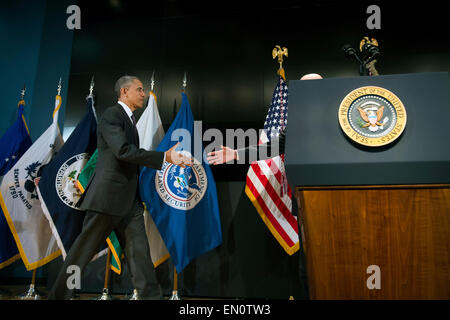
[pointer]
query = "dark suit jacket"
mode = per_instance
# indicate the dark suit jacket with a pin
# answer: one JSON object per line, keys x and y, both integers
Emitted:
{"x": 114, "y": 184}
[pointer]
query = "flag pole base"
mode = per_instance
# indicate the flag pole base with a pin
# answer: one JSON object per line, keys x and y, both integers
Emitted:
{"x": 135, "y": 295}
{"x": 105, "y": 295}
{"x": 31, "y": 294}
{"x": 175, "y": 295}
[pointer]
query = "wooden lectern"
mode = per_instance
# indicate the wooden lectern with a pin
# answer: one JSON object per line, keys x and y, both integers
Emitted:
{"x": 375, "y": 221}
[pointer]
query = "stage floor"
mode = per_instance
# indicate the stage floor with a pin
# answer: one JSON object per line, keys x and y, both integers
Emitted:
{"x": 17, "y": 292}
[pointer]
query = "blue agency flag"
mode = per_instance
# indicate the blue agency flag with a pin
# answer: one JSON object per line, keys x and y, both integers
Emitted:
{"x": 57, "y": 187}
{"x": 13, "y": 145}
{"x": 183, "y": 201}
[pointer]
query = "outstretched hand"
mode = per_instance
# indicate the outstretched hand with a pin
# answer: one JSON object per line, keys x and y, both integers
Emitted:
{"x": 221, "y": 156}
{"x": 177, "y": 158}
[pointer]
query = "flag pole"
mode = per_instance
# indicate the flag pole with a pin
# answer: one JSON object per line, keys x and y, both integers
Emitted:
{"x": 278, "y": 52}
{"x": 184, "y": 82}
{"x": 22, "y": 92}
{"x": 91, "y": 86}
{"x": 32, "y": 293}
{"x": 152, "y": 81}
{"x": 105, "y": 294}
{"x": 22, "y": 102}
{"x": 59, "y": 86}
{"x": 175, "y": 295}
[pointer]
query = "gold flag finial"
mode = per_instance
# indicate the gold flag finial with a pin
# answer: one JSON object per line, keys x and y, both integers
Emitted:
{"x": 370, "y": 60}
{"x": 22, "y": 97}
{"x": 365, "y": 40}
{"x": 59, "y": 86}
{"x": 22, "y": 92}
{"x": 91, "y": 86}
{"x": 184, "y": 82}
{"x": 278, "y": 52}
{"x": 152, "y": 81}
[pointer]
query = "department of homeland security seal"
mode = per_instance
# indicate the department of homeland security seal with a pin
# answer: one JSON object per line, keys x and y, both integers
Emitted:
{"x": 181, "y": 188}
{"x": 67, "y": 176}
{"x": 372, "y": 116}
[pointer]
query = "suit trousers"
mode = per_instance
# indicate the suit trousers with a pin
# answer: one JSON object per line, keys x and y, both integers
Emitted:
{"x": 130, "y": 231}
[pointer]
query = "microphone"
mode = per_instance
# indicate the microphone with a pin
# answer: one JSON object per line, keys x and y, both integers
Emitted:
{"x": 351, "y": 53}
{"x": 370, "y": 52}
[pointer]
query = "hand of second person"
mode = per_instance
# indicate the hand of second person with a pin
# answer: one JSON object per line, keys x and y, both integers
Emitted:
{"x": 177, "y": 158}
{"x": 223, "y": 155}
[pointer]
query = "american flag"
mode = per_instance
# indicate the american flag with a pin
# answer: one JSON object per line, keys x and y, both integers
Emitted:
{"x": 266, "y": 184}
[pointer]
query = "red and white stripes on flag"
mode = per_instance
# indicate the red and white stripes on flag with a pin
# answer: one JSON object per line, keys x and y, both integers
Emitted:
{"x": 266, "y": 184}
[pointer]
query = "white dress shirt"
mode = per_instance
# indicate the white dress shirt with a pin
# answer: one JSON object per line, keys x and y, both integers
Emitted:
{"x": 127, "y": 109}
{"x": 130, "y": 113}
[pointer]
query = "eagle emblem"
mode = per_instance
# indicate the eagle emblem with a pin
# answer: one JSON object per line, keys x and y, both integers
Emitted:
{"x": 372, "y": 114}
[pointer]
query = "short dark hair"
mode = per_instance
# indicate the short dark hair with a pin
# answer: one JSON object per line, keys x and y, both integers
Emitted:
{"x": 123, "y": 82}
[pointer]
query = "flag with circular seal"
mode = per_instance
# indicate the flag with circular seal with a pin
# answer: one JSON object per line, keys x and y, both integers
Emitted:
{"x": 58, "y": 190}
{"x": 183, "y": 201}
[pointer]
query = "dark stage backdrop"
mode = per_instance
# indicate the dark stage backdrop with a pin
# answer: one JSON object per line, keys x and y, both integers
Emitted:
{"x": 225, "y": 49}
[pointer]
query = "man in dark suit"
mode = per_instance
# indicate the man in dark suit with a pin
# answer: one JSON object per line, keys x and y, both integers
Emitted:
{"x": 111, "y": 199}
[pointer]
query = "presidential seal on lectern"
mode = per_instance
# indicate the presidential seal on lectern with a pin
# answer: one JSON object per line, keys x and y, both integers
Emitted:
{"x": 372, "y": 116}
